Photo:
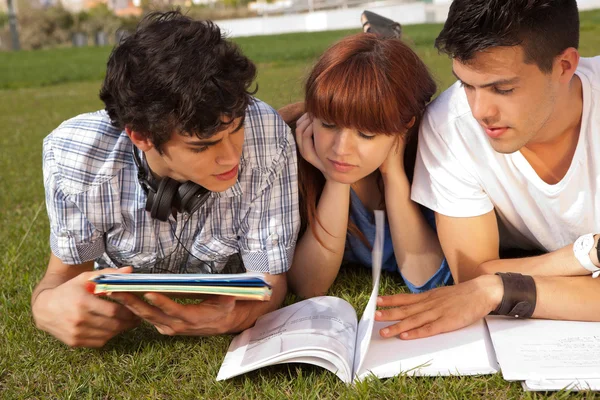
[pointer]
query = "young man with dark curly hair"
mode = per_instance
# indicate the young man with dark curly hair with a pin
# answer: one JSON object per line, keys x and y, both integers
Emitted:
{"x": 184, "y": 171}
{"x": 509, "y": 158}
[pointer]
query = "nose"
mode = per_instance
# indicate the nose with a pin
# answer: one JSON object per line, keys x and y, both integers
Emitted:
{"x": 228, "y": 154}
{"x": 483, "y": 106}
{"x": 343, "y": 142}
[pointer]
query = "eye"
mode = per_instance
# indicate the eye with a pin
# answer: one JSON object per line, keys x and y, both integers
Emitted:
{"x": 466, "y": 86}
{"x": 327, "y": 125}
{"x": 503, "y": 92}
{"x": 198, "y": 149}
{"x": 365, "y": 136}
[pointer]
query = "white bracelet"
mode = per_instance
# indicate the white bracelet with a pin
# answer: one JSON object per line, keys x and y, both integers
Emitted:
{"x": 581, "y": 248}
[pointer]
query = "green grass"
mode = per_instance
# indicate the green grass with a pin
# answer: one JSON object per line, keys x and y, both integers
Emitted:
{"x": 40, "y": 90}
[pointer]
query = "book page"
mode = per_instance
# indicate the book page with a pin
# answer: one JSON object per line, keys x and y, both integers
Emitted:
{"x": 545, "y": 349}
{"x": 560, "y": 384}
{"x": 365, "y": 326}
{"x": 319, "y": 327}
{"x": 467, "y": 351}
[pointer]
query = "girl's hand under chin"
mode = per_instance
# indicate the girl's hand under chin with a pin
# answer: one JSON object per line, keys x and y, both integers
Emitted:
{"x": 394, "y": 162}
{"x": 306, "y": 143}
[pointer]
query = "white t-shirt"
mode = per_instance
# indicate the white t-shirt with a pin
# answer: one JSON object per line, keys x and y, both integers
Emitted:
{"x": 459, "y": 174}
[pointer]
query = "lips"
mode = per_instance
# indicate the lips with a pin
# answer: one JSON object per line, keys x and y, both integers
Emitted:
{"x": 341, "y": 167}
{"x": 495, "y": 132}
{"x": 225, "y": 176}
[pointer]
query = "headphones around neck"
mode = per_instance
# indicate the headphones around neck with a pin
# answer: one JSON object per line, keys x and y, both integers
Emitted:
{"x": 169, "y": 194}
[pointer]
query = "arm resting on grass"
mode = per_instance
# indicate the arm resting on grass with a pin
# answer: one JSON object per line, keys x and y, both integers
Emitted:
{"x": 315, "y": 266}
{"x": 471, "y": 246}
{"x": 561, "y": 262}
{"x": 417, "y": 250}
{"x": 63, "y": 307}
{"x": 453, "y": 307}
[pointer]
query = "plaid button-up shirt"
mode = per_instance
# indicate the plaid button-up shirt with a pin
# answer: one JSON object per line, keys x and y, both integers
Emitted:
{"x": 96, "y": 205}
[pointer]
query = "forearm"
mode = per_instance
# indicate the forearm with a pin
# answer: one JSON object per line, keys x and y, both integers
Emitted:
{"x": 57, "y": 274}
{"x": 318, "y": 258}
{"x": 246, "y": 313}
{"x": 417, "y": 249}
{"x": 559, "y": 297}
{"x": 561, "y": 262}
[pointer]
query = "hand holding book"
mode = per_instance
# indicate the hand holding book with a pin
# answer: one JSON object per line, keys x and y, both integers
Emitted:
{"x": 214, "y": 315}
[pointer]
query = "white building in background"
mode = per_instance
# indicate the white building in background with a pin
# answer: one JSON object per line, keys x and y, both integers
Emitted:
{"x": 73, "y": 5}
{"x": 262, "y": 7}
{"x": 125, "y": 7}
{"x": 326, "y": 15}
{"x": 204, "y": 2}
{"x": 328, "y": 19}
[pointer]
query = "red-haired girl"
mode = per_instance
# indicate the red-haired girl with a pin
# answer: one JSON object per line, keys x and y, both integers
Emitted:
{"x": 357, "y": 143}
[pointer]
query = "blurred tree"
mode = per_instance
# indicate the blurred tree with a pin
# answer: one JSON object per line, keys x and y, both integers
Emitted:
{"x": 12, "y": 22}
{"x": 3, "y": 19}
{"x": 46, "y": 28}
{"x": 99, "y": 19}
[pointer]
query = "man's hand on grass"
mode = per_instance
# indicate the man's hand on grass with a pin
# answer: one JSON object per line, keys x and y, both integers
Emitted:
{"x": 439, "y": 310}
{"x": 78, "y": 318}
{"x": 215, "y": 315}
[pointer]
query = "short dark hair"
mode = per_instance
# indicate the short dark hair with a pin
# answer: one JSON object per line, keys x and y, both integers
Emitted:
{"x": 545, "y": 28}
{"x": 175, "y": 74}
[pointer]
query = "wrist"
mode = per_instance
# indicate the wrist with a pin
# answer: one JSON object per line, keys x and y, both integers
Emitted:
{"x": 494, "y": 290}
{"x": 335, "y": 185}
{"x": 396, "y": 179}
{"x": 519, "y": 296}
{"x": 39, "y": 299}
{"x": 37, "y": 294}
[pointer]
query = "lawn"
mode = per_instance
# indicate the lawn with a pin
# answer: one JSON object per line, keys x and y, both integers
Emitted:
{"x": 38, "y": 90}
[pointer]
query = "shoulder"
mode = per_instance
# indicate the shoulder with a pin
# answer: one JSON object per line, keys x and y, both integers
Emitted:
{"x": 590, "y": 67}
{"x": 450, "y": 106}
{"x": 448, "y": 123}
{"x": 86, "y": 151}
{"x": 267, "y": 137}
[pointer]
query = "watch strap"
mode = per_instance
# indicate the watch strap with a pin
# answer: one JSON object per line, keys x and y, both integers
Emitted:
{"x": 597, "y": 273}
{"x": 581, "y": 248}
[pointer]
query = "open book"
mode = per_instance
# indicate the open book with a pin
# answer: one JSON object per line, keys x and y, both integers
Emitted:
{"x": 548, "y": 355}
{"x": 324, "y": 331}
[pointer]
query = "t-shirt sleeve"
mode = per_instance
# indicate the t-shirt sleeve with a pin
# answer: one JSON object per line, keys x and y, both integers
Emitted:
{"x": 73, "y": 239}
{"x": 441, "y": 182}
{"x": 271, "y": 227}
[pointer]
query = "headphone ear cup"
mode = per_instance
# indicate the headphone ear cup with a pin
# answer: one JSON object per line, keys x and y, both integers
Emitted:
{"x": 163, "y": 199}
{"x": 192, "y": 196}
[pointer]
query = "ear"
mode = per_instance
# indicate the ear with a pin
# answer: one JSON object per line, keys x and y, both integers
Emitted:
{"x": 411, "y": 123}
{"x": 566, "y": 63}
{"x": 140, "y": 141}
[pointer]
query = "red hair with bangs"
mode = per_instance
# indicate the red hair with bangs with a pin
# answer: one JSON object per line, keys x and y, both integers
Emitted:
{"x": 371, "y": 84}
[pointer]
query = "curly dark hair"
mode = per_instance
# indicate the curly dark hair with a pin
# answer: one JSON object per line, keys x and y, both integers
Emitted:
{"x": 545, "y": 28}
{"x": 175, "y": 74}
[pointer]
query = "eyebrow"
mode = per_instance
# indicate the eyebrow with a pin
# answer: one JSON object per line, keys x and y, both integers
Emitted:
{"x": 499, "y": 82}
{"x": 209, "y": 143}
{"x": 203, "y": 142}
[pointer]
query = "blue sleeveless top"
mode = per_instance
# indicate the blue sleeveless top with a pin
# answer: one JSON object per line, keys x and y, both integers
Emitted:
{"x": 356, "y": 251}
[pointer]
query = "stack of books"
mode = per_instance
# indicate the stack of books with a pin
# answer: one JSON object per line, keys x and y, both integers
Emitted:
{"x": 248, "y": 286}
